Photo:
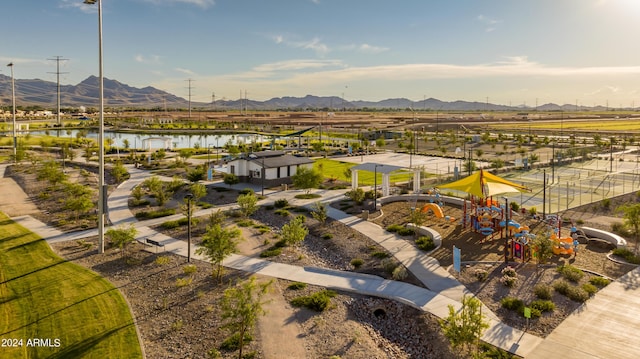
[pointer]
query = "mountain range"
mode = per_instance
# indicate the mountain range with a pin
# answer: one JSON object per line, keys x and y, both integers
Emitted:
{"x": 43, "y": 94}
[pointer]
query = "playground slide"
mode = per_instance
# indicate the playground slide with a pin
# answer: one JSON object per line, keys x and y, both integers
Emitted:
{"x": 437, "y": 210}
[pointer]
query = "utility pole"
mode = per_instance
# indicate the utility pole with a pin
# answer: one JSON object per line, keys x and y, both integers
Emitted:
{"x": 189, "y": 87}
{"x": 57, "y": 59}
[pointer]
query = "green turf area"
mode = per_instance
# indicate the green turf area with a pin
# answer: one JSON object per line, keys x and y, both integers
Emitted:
{"x": 335, "y": 169}
{"x": 43, "y": 296}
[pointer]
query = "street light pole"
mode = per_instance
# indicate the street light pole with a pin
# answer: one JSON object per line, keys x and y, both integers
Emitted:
{"x": 506, "y": 233}
{"x": 189, "y": 198}
{"x": 13, "y": 104}
{"x": 101, "y": 186}
{"x": 263, "y": 174}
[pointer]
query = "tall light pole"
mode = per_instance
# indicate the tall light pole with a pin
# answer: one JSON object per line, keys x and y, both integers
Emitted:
{"x": 189, "y": 198}
{"x": 101, "y": 186}
{"x": 13, "y": 104}
{"x": 506, "y": 233}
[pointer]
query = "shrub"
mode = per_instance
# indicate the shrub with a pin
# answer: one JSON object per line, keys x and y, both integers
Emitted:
{"x": 170, "y": 225}
{"x": 425, "y": 243}
{"x": 307, "y": 196}
{"x": 508, "y": 281}
{"x": 271, "y": 252}
{"x": 512, "y": 303}
{"x": 599, "y": 281}
{"x": 282, "y": 212}
{"x": 189, "y": 269}
{"x": 357, "y": 262}
{"x": 318, "y": 301}
{"x": 394, "y": 228}
{"x": 619, "y": 228}
{"x": 399, "y": 273}
{"x": 380, "y": 254}
{"x": 481, "y": 274}
{"x": 327, "y": 236}
{"x": 509, "y": 271}
{"x": 244, "y": 223}
{"x": 155, "y": 214}
{"x": 571, "y": 273}
{"x": 627, "y": 255}
{"x": 247, "y": 191}
{"x": 406, "y": 231}
{"x": 183, "y": 282}
{"x": 589, "y": 288}
{"x": 301, "y": 218}
{"x": 561, "y": 286}
{"x": 281, "y": 203}
{"x": 578, "y": 294}
{"x": 389, "y": 265}
{"x": 543, "y": 291}
{"x": 184, "y": 221}
{"x": 543, "y": 305}
{"x": 606, "y": 203}
{"x": 232, "y": 343}
{"x": 297, "y": 286}
{"x": 162, "y": 260}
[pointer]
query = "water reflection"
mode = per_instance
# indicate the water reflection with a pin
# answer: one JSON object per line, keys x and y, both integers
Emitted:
{"x": 177, "y": 141}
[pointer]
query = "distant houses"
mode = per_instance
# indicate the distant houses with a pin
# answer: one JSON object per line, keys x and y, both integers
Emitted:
{"x": 270, "y": 168}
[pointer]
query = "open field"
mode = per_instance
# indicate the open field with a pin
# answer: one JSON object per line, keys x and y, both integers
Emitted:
{"x": 74, "y": 311}
{"x": 336, "y": 170}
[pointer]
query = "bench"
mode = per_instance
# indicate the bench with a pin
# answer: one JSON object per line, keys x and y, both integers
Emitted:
{"x": 151, "y": 242}
{"x": 600, "y": 235}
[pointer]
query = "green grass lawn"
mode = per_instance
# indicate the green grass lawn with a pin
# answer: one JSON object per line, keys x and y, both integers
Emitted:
{"x": 335, "y": 169}
{"x": 43, "y": 296}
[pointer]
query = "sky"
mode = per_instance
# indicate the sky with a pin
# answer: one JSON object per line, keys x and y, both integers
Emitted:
{"x": 510, "y": 52}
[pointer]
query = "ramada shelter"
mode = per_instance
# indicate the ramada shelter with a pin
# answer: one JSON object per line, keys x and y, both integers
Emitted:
{"x": 277, "y": 166}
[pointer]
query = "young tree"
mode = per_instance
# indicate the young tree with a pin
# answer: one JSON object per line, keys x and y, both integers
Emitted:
{"x": 198, "y": 190}
{"x": 294, "y": 232}
{"x": 543, "y": 248}
{"x": 319, "y": 212}
{"x": 119, "y": 172}
{"x": 631, "y": 215}
{"x": 78, "y": 204}
{"x": 417, "y": 218}
{"x": 464, "y": 328}
{"x": 52, "y": 172}
{"x": 122, "y": 236}
{"x": 306, "y": 178}
{"x": 230, "y": 179}
{"x": 248, "y": 203}
{"x": 217, "y": 244}
{"x": 241, "y": 307}
{"x": 197, "y": 174}
{"x": 217, "y": 217}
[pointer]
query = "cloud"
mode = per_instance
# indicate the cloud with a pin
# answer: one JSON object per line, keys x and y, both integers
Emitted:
{"x": 296, "y": 65}
{"x": 488, "y": 22}
{"x": 185, "y": 71}
{"x": 314, "y": 44}
{"x": 317, "y": 2}
{"x": 200, "y": 3}
{"x": 150, "y": 60}
{"x": 370, "y": 49}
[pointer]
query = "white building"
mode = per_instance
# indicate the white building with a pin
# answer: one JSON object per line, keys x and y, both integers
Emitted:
{"x": 277, "y": 166}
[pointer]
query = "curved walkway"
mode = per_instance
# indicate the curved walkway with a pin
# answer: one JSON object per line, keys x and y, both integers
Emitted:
{"x": 604, "y": 327}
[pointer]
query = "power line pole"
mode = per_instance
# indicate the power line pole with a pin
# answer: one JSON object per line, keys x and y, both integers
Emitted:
{"x": 189, "y": 87}
{"x": 57, "y": 59}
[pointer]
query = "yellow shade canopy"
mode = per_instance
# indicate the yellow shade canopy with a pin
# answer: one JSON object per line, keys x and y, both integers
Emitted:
{"x": 484, "y": 184}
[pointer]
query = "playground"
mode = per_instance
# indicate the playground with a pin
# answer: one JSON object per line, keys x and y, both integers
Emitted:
{"x": 485, "y": 254}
